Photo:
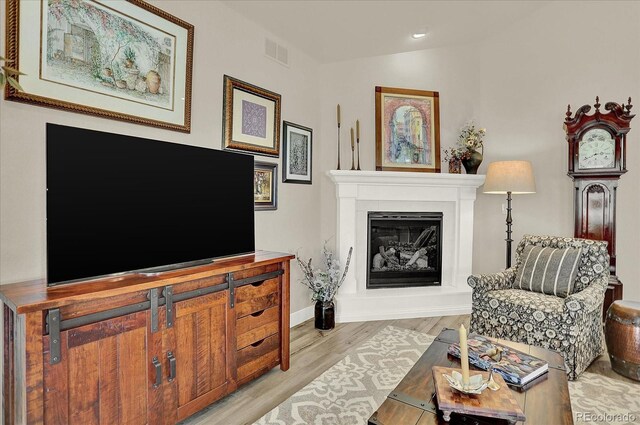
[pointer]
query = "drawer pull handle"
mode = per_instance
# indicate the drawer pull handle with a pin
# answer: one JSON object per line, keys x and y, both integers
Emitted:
{"x": 258, "y": 283}
{"x": 255, "y": 344}
{"x": 258, "y": 313}
{"x": 172, "y": 366}
{"x": 158, "y": 368}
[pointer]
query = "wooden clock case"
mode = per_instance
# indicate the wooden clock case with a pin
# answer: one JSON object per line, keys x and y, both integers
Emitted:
{"x": 596, "y": 188}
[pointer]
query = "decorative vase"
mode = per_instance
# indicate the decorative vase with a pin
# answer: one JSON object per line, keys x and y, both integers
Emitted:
{"x": 472, "y": 163}
{"x": 153, "y": 81}
{"x": 131, "y": 77}
{"x": 325, "y": 315}
{"x": 455, "y": 166}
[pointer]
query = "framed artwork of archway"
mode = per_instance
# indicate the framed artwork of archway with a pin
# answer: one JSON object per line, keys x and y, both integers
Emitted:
{"x": 407, "y": 130}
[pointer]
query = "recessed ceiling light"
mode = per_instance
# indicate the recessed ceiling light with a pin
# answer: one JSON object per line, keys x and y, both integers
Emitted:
{"x": 419, "y": 35}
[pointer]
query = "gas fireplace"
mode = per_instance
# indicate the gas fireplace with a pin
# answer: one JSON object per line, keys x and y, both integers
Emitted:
{"x": 404, "y": 249}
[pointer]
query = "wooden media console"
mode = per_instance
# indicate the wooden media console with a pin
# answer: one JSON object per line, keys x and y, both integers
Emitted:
{"x": 142, "y": 349}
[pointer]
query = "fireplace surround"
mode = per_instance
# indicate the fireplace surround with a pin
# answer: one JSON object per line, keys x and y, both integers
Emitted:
{"x": 360, "y": 192}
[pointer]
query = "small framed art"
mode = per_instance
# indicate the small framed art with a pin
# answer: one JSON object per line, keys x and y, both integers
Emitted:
{"x": 407, "y": 130}
{"x": 251, "y": 118}
{"x": 265, "y": 186}
{"x": 296, "y": 157}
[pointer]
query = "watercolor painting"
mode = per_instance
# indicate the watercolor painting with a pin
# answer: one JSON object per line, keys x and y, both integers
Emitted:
{"x": 123, "y": 60}
{"x": 91, "y": 46}
{"x": 407, "y": 132}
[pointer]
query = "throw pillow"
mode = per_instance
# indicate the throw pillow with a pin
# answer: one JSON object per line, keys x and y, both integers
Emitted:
{"x": 550, "y": 271}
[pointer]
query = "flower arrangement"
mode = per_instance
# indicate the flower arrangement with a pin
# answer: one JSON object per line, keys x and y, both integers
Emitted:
{"x": 456, "y": 154}
{"x": 324, "y": 283}
{"x": 470, "y": 139}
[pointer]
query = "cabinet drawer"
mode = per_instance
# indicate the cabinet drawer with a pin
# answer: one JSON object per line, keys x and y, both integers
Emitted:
{"x": 256, "y": 297}
{"x": 258, "y": 357}
{"x": 243, "y": 274}
{"x": 255, "y": 290}
{"x": 257, "y": 326}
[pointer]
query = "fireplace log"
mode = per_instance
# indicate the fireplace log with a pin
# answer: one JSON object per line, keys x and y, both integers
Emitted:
{"x": 419, "y": 253}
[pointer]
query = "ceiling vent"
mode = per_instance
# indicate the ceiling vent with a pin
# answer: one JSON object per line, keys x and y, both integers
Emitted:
{"x": 276, "y": 52}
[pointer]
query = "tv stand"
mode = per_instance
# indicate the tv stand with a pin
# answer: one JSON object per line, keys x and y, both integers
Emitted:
{"x": 143, "y": 349}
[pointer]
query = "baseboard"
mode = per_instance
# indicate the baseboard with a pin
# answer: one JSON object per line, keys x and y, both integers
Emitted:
{"x": 300, "y": 316}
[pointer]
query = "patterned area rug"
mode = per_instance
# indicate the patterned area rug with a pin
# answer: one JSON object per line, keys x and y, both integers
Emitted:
{"x": 350, "y": 391}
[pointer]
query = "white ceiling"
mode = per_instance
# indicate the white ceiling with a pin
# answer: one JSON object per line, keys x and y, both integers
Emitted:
{"x": 331, "y": 31}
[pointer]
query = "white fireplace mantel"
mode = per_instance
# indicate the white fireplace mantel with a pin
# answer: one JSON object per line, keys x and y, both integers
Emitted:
{"x": 359, "y": 192}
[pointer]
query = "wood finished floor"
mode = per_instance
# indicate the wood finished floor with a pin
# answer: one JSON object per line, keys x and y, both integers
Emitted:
{"x": 313, "y": 352}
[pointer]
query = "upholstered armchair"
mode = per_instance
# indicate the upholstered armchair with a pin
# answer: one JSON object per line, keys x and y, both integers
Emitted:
{"x": 567, "y": 318}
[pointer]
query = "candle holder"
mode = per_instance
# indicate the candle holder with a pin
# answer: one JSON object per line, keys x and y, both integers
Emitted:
{"x": 353, "y": 162}
{"x": 358, "y": 144}
{"x": 476, "y": 385}
{"x": 338, "y": 167}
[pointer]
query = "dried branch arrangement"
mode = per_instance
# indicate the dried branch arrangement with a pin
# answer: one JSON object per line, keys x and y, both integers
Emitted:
{"x": 324, "y": 283}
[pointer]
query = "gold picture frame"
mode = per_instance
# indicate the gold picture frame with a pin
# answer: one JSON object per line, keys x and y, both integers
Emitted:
{"x": 407, "y": 130}
{"x": 142, "y": 74}
{"x": 251, "y": 118}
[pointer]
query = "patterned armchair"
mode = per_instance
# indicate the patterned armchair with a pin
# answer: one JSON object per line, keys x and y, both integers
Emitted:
{"x": 571, "y": 325}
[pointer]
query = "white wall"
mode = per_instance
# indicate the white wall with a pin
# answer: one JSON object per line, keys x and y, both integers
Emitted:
{"x": 225, "y": 43}
{"x": 517, "y": 84}
{"x": 563, "y": 53}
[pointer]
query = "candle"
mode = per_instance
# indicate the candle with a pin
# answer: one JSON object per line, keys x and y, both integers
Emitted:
{"x": 338, "y": 115}
{"x": 352, "y": 145}
{"x": 464, "y": 356}
{"x": 358, "y": 129}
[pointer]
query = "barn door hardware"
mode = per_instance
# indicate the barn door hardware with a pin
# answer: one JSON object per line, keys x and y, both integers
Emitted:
{"x": 168, "y": 299}
{"x": 53, "y": 323}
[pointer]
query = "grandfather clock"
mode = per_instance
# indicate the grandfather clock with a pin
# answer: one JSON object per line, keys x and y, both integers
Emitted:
{"x": 597, "y": 159}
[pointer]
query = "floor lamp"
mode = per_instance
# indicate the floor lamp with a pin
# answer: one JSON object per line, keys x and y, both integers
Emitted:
{"x": 510, "y": 178}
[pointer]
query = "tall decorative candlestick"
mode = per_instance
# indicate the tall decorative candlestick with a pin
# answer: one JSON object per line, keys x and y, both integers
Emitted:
{"x": 338, "y": 167}
{"x": 464, "y": 356}
{"x": 353, "y": 164}
{"x": 358, "y": 142}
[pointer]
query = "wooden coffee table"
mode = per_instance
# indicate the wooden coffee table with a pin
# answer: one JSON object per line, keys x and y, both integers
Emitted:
{"x": 412, "y": 402}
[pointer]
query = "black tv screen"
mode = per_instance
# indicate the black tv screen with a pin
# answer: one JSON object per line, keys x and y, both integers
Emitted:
{"x": 118, "y": 203}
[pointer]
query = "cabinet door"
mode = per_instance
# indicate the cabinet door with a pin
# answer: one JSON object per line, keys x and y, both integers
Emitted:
{"x": 104, "y": 376}
{"x": 200, "y": 334}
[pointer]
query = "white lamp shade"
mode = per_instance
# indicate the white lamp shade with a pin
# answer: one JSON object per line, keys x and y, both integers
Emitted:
{"x": 510, "y": 176}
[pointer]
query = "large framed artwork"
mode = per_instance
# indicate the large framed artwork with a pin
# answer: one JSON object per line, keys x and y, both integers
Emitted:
{"x": 265, "y": 186}
{"x": 407, "y": 130}
{"x": 296, "y": 157}
{"x": 251, "y": 118}
{"x": 125, "y": 60}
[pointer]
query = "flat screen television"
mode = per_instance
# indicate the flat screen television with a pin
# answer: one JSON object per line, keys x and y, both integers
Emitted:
{"x": 119, "y": 203}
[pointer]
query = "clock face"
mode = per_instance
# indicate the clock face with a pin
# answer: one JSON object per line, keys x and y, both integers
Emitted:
{"x": 597, "y": 149}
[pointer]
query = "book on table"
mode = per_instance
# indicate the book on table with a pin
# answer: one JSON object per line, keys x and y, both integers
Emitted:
{"x": 517, "y": 368}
